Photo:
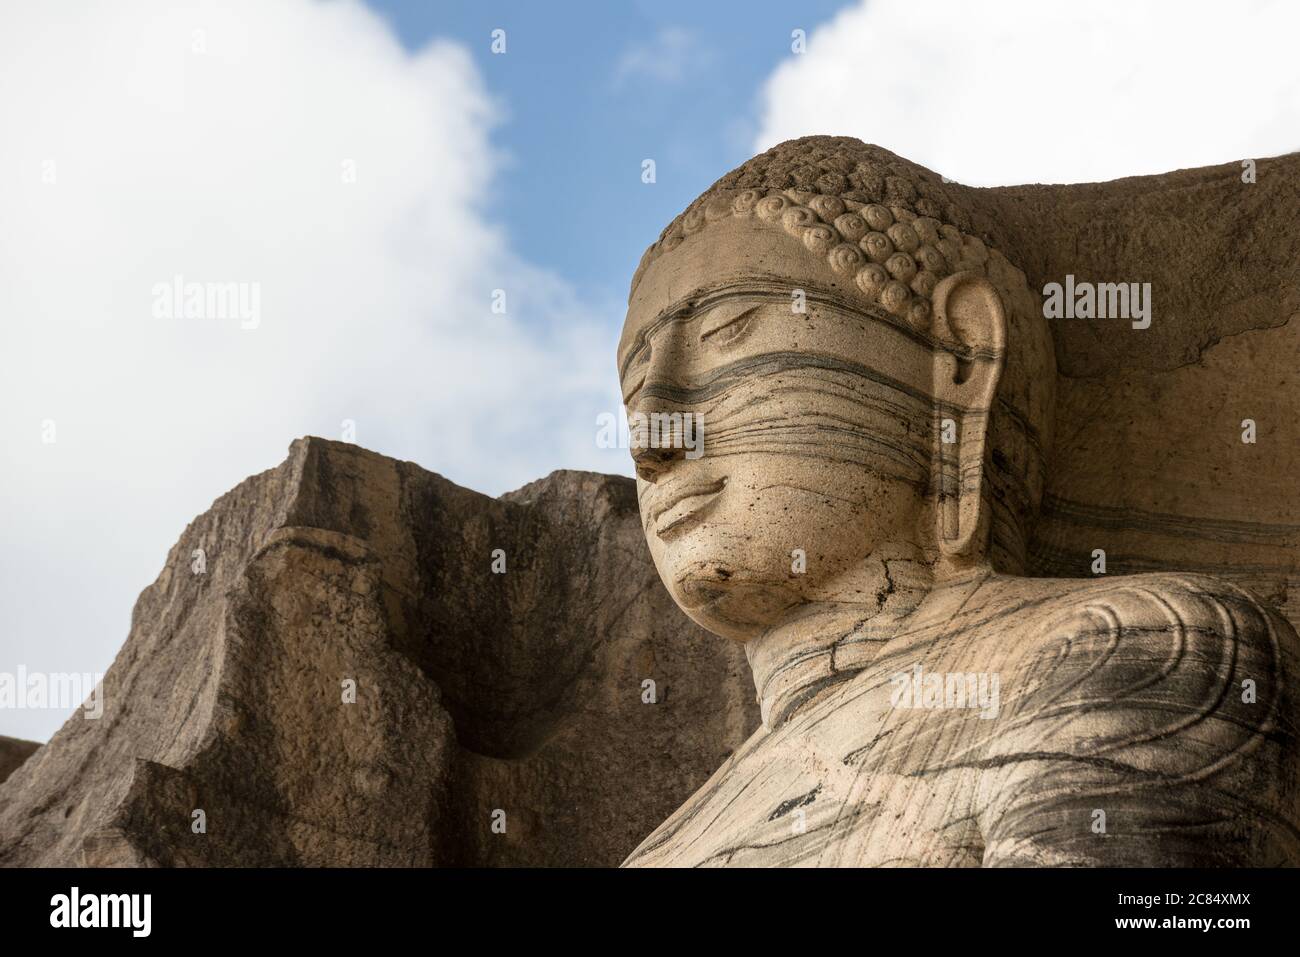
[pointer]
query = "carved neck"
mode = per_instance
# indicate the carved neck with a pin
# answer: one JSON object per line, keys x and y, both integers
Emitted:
{"x": 821, "y": 644}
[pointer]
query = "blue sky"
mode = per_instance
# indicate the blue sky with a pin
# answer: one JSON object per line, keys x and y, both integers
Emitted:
{"x": 590, "y": 90}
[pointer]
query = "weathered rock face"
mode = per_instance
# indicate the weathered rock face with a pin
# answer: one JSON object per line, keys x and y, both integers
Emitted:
{"x": 1149, "y": 461}
{"x": 475, "y": 692}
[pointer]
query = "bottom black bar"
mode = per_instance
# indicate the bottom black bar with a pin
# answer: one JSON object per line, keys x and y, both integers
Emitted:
{"x": 658, "y": 907}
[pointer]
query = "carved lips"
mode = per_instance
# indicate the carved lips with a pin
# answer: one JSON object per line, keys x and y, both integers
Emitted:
{"x": 685, "y": 507}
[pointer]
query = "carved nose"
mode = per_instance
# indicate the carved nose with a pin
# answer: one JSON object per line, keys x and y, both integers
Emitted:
{"x": 652, "y": 464}
{"x": 656, "y": 446}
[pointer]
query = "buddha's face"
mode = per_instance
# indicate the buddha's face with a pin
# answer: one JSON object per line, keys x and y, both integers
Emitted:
{"x": 816, "y": 444}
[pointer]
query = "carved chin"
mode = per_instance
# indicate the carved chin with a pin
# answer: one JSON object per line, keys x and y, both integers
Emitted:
{"x": 728, "y": 604}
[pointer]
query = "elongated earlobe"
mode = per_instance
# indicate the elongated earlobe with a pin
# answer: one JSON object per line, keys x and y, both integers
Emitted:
{"x": 971, "y": 327}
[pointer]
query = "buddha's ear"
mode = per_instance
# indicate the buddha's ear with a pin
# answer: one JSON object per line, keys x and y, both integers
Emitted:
{"x": 971, "y": 327}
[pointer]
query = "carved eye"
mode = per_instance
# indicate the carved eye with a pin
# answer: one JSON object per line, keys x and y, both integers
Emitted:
{"x": 727, "y": 323}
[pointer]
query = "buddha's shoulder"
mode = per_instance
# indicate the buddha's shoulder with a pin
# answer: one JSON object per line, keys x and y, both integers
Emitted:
{"x": 1145, "y": 655}
{"x": 1193, "y": 609}
{"x": 1169, "y": 699}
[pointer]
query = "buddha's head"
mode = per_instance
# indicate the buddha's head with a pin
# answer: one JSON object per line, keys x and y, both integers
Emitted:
{"x": 870, "y": 379}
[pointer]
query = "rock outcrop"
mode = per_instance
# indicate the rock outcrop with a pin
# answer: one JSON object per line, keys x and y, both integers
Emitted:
{"x": 1154, "y": 460}
{"x": 499, "y": 718}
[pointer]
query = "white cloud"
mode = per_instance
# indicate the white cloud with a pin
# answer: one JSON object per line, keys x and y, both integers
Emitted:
{"x": 1035, "y": 91}
{"x": 209, "y": 140}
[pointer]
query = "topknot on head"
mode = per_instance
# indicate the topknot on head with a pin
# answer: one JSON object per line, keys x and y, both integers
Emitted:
{"x": 847, "y": 170}
{"x": 893, "y": 227}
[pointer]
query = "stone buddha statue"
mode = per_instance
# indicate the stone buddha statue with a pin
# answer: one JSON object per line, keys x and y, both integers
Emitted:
{"x": 872, "y": 380}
